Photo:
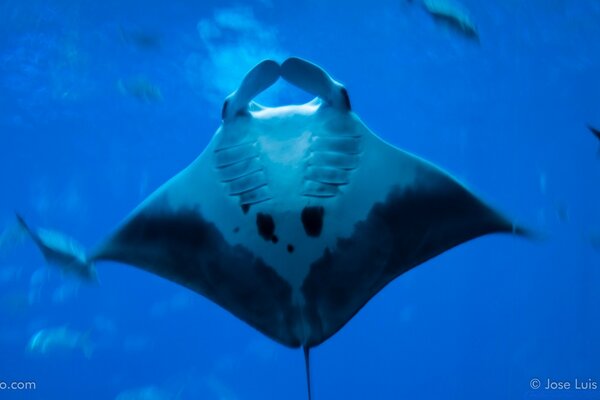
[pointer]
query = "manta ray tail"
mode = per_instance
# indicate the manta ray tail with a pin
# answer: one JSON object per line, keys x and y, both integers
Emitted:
{"x": 307, "y": 366}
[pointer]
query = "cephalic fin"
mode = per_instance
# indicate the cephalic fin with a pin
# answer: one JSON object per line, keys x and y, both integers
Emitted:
{"x": 316, "y": 81}
{"x": 260, "y": 78}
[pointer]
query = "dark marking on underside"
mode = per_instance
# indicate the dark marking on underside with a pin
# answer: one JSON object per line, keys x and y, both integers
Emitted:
{"x": 245, "y": 208}
{"x": 290, "y": 248}
{"x": 410, "y": 227}
{"x": 236, "y": 229}
{"x": 183, "y": 247}
{"x": 266, "y": 227}
{"x": 312, "y": 220}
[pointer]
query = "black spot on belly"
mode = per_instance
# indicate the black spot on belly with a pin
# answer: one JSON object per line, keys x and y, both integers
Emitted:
{"x": 290, "y": 248}
{"x": 312, "y": 220}
{"x": 236, "y": 229}
{"x": 245, "y": 208}
{"x": 266, "y": 227}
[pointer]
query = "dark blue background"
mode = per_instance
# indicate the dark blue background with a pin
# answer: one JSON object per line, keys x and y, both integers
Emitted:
{"x": 506, "y": 115}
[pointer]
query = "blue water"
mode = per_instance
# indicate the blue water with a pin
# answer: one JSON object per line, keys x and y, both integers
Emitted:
{"x": 101, "y": 102}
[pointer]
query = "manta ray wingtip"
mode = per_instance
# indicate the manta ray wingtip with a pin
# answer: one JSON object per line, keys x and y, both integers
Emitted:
{"x": 528, "y": 232}
{"x": 501, "y": 224}
{"x": 521, "y": 231}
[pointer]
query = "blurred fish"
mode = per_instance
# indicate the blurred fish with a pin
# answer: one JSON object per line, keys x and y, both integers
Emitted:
{"x": 596, "y": 133}
{"x": 562, "y": 212}
{"x": 454, "y": 14}
{"x": 543, "y": 182}
{"x": 140, "y": 88}
{"x": 62, "y": 251}
{"x": 139, "y": 38}
{"x": 59, "y": 339}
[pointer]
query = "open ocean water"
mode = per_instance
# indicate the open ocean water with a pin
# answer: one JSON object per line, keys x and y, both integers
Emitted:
{"x": 103, "y": 101}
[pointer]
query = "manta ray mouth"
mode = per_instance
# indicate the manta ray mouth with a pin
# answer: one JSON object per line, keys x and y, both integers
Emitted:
{"x": 284, "y": 150}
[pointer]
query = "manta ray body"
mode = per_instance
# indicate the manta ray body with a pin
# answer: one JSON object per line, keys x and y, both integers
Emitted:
{"x": 293, "y": 217}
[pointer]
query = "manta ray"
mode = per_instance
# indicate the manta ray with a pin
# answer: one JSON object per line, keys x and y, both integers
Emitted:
{"x": 293, "y": 217}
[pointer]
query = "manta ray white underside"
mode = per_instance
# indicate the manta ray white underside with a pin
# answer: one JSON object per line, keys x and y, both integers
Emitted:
{"x": 294, "y": 217}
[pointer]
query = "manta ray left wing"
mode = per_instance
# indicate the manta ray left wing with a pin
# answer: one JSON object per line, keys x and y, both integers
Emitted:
{"x": 189, "y": 230}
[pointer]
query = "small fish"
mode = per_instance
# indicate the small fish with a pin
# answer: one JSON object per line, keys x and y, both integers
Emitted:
{"x": 52, "y": 340}
{"x": 454, "y": 14}
{"x": 140, "y": 88}
{"x": 141, "y": 39}
{"x": 562, "y": 212}
{"x": 62, "y": 251}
